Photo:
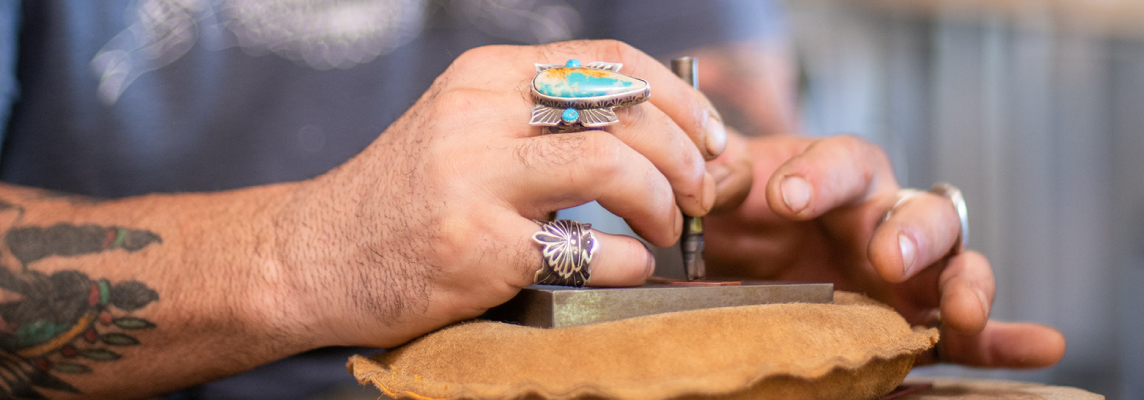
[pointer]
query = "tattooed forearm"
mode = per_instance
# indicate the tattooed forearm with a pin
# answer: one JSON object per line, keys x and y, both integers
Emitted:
{"x": 65, "y": 322}
{"x": 32, "y": 243}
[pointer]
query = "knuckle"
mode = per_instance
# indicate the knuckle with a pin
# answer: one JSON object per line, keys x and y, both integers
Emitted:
{"x": 643, "y": 124}
{"x": 475, "y": 57}
{"x": 467, "y": 244}
{"x": 870, "y": 158}
{"x": 549, "y": 151}
{"x": 593, "y": 151}
{"x": 447, "y": 96}
{"x": 632, "y": 58}
{"x": 615, "y": 49}
{"x": 855, "y": 144}
{"x": 702, "y": 114}
{"x": 848, "y": 142}
{"x": 455, "y": 99}
{"x": 602, "y": 154}
{"x": 455, "y": 240}
{"x": 693, "y": 164}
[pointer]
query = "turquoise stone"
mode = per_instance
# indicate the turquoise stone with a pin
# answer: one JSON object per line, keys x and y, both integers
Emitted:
{"x": 584, "y": 82}
{"x": 573, "y": 63}
{"x": 570, "y": 115}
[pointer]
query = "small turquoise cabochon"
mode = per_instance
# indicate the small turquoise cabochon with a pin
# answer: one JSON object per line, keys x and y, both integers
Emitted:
{"x": 570, "y": 115}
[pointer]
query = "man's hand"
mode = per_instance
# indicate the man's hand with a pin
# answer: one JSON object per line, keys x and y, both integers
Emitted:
{"x": 432, "y": 223}
{"x": 814, "y": 215}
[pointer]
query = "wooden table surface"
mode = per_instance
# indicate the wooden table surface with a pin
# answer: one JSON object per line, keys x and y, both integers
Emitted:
{"x": 970, "y": 389}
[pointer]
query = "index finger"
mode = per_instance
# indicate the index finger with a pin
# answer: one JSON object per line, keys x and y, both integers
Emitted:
{"x": 828, "y": 174}
{"x": 1001, "y": 345}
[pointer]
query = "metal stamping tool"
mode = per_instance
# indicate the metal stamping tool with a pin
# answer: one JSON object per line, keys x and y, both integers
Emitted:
{"x": 691, "y": 241}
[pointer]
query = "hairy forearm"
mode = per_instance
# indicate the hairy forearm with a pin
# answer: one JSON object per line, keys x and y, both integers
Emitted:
{"x": 142, "y": 295}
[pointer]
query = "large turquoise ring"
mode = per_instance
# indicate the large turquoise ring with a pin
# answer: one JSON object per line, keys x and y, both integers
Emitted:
{"x": 572, "y": 97}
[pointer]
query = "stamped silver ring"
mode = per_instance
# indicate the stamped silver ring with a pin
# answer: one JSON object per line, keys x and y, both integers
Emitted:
{"x": 571, "y": 97}
{"x": 567, "y": 249}
{"x": 947, "y": 191}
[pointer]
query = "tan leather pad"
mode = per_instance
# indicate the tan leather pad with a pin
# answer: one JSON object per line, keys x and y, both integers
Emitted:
{"x": 854, "y": 348}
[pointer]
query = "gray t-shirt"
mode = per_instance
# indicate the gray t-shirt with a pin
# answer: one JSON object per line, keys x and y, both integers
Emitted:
{"x": 118, "y": 98}
{"x": 125, "y": 97}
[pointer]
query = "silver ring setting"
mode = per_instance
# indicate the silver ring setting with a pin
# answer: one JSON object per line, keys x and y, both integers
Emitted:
{"x": 571, "y": 97}
{"x": 904, "y": 195}
{"x": 954, "y": 195}
{"x": 567, "y": 249}
{"x": 947, "y": 191}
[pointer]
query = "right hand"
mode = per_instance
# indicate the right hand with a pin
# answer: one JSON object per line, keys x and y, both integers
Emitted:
{"x": 432, "y": 223}
{"x": 816, "y": 215}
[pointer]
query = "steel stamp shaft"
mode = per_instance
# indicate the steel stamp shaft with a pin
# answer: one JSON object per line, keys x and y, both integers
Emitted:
{"x": 691, "y": 241}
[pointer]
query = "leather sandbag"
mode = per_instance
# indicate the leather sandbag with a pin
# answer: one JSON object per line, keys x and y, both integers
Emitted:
{"x": 853, "y": 349}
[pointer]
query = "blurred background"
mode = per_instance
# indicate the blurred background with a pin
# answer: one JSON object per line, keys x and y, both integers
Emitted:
{"x": 1035, "y": 109}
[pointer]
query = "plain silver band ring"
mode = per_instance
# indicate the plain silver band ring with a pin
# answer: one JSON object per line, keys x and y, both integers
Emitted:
{"x": 954, "y": 195}
{"x": 947, "y": 191}
{"x": 567, "y": 248}
{"x": 904, "y": 195}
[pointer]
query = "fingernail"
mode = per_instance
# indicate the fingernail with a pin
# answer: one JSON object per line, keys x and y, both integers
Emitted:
{"x": 796, "y": 193}
{"x": 984, "y": 301}
{"x": 909, "y": 251}
{"x": 708, "y": 192}
{"x": 716, "y": 136}
{"x": 718, "y": 171}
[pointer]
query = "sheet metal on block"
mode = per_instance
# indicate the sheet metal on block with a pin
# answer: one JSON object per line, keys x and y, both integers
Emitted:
{"x": 545, "y": 306}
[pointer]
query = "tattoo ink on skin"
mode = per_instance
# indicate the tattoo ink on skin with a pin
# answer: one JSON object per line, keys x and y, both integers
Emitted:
{"x": 66, "y": 322}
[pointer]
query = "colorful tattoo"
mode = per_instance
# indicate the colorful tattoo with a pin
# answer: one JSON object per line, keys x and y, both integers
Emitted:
{"x": 66, "y": 322}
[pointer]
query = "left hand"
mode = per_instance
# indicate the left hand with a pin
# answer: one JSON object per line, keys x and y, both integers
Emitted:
{"x": 813, "y": 216}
